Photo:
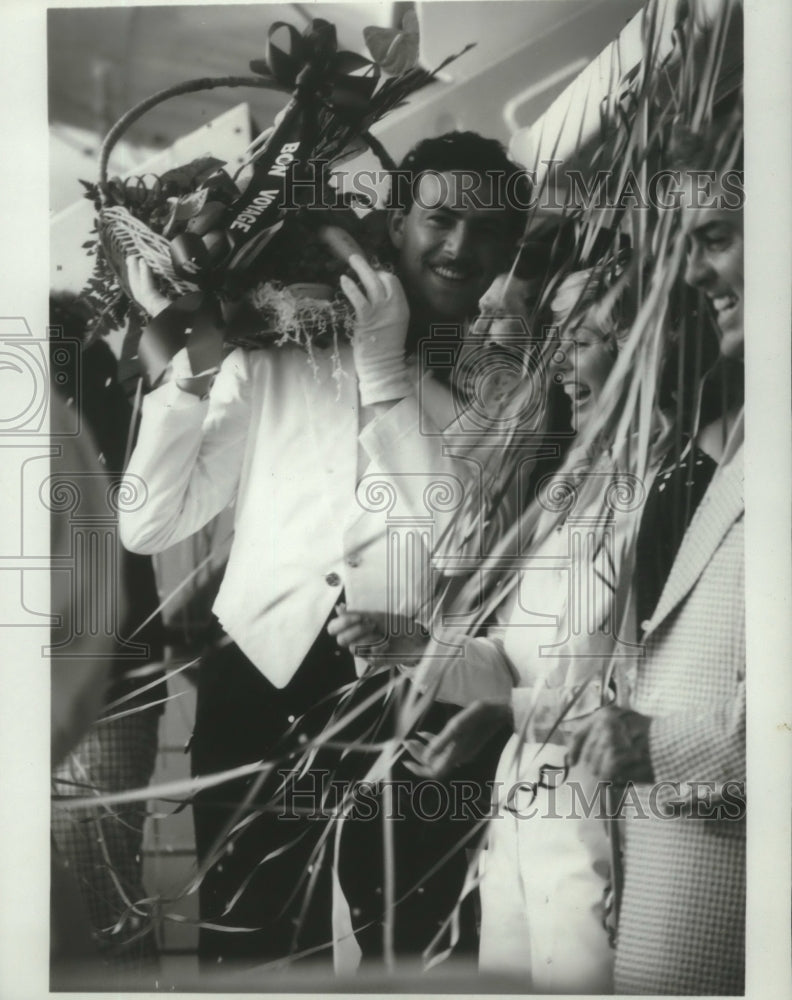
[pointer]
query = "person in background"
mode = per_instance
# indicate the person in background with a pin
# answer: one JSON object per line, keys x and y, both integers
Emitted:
{"x": 103, "y": 847}
{"x": 682, "y": 917}
{"x": 544, "y": 880}
{"x": 299, "y": 453}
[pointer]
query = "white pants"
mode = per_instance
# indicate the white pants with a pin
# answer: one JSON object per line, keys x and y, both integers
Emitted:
{"x": 544, "y": 879}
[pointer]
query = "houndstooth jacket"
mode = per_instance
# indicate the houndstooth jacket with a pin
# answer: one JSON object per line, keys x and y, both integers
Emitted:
{"x": 682, "y": 919}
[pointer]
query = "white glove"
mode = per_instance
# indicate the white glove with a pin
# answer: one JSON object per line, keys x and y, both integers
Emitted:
{"x": 382, "y": 316}
{"x": 144, "y": 290}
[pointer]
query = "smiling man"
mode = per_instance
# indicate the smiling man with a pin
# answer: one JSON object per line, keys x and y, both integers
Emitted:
{"x": 715, "y": 262}
{"x": 680, "y": 746}
{"x": 454, "y": 222}
{"x": 300, "y": 451}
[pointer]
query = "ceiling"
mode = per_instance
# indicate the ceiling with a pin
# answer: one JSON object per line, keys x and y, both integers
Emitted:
{"x": 103, "y": 60}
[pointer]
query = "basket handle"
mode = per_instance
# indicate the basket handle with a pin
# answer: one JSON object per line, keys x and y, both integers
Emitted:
{"x": 209, "y": 83}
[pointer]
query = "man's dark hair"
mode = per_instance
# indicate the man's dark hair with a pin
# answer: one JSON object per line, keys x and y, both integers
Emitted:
{"x": 470, "y": 153}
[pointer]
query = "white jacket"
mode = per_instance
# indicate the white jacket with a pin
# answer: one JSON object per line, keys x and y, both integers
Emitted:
{"x": 557, "y": 630}
{"x": 279, "y": 437}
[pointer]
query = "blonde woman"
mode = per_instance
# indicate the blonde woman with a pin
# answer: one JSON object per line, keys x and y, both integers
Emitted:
{"x": 548, "y": 861}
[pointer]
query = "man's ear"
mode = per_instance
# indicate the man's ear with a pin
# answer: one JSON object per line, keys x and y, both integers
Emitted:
{"x": 397, "y": 219}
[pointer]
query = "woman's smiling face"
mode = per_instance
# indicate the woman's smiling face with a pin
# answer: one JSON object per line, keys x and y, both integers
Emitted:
{"x": 588, "y": 359}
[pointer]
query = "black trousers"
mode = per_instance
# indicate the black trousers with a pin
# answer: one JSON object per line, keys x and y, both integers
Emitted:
{"x": 261, "y": 879}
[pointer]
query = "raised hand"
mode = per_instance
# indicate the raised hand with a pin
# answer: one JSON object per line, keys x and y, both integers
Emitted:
{"x": 382, "y": 316}
{"x": 504, "y": 310}
{"x": 143, "y": 288}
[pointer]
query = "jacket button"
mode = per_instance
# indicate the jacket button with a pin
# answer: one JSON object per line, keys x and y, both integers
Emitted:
{"x": 353, "y": 560}
{"x": 332, "y": 579}
{"x": 645, "y": 624}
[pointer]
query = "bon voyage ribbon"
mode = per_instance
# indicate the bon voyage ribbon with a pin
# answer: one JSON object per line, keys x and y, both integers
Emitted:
{"x": 321, "y": 77}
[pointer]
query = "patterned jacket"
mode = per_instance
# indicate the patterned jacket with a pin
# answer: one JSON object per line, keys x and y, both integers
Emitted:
{"x": 682, "y": 920}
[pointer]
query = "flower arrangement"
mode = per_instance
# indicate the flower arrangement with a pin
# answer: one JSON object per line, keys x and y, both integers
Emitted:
{"x": 271, "y": 252}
